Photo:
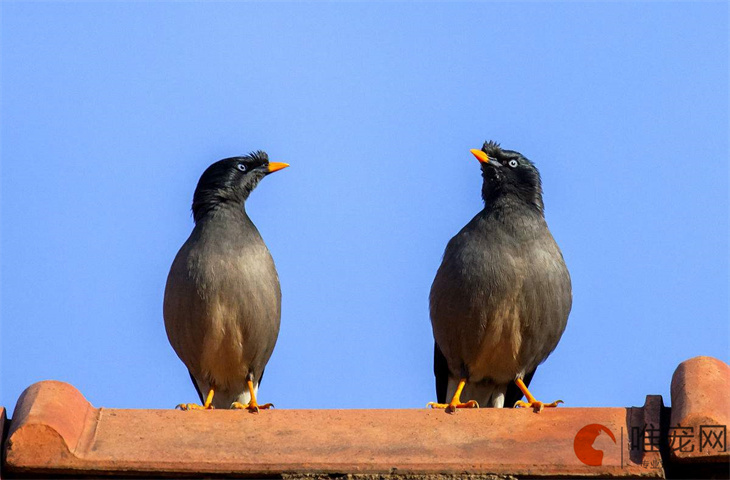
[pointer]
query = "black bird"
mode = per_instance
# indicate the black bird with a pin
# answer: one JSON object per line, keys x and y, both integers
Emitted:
{"x": 501, "y": 297}
{"x": 222, "y": 303}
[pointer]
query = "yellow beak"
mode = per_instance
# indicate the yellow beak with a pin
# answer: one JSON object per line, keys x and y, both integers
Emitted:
{"x": 276, "y": 166}
{"x": 481, "y": 156}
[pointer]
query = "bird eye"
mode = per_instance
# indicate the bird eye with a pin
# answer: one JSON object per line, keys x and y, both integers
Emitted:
{"x": 513, "y": 163}
{"x": 241, "y": 167}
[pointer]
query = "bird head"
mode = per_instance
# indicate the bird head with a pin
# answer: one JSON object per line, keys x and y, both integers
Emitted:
{"x": 506, "y": 174}
{"x": 231, "y": 180}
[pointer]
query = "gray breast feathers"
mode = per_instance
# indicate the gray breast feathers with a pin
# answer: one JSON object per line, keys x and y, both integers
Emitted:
{"x": 222, "y": 307}
{"x": 498, "y": 308}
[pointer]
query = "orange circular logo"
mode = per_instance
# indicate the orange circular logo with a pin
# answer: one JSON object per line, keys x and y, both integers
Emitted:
{"x": 583, "y": 444}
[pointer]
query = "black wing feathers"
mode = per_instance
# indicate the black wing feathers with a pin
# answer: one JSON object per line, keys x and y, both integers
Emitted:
{"x": 441, "y": 371}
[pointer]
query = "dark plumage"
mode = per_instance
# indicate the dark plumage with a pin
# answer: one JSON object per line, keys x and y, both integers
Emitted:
{"x": 501, "y": 297}
{"x": 222, "y": 303}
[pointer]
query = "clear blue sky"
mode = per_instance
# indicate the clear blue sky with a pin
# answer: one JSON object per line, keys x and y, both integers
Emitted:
{"x": 111, "y": 111}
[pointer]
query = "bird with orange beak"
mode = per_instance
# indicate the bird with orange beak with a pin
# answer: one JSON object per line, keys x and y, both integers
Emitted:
{"x": 222, "y": 303}
{"x": 501, "y": 297}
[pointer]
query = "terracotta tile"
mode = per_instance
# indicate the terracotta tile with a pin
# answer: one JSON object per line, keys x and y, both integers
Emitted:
{"x": 700, "y": 410}
{"x": 55, "y": 430}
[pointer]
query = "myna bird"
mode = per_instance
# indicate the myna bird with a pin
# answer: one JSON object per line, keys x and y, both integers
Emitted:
{"x": 222, "y": 304}
{"x": 501, "y": 297}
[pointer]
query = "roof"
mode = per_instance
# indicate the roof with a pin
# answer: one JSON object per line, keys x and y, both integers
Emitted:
{"x": 55, "y": 430}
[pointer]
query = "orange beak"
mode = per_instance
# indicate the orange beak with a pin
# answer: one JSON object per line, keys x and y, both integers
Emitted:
{"x": 276, "y": 166}
{"x": 481, "y": 156}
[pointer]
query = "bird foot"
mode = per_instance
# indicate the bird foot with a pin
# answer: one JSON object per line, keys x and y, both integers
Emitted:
{"x": 536, "y": 405}
{"x": 451, "y": 407}
{"x": 252, "y": 407}
{"x": 194, "y": 406}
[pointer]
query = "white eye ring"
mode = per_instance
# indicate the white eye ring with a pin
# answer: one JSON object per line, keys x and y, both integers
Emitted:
{"x": 513, "y": 163}
{"x": 241, "y": 167}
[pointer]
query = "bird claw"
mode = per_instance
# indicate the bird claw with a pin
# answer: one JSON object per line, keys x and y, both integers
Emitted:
{"x": 193, "y": 406}
{"x": 252, "y": 407}
{"x": 537, "y": 406}
{"x": 451, "y": 407}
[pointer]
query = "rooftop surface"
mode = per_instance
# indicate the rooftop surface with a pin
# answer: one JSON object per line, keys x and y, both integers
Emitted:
{"x": 56, "y": 431}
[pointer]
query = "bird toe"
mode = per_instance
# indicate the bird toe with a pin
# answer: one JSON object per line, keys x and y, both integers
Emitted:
{"x": 252, "y": 407}
{"x": 193, "y": 406}
{"x": 537, "y": 406}
{"x": 451, "y": 407}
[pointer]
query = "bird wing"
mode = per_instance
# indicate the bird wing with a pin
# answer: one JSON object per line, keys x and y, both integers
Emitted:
{"x": 195, "y": 384}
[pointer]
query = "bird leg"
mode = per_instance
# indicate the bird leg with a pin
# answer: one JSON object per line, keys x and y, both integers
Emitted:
{"x": 253, "y": 405}
{"x": 456, "y": 401}
{"x": 195, "y": 406}
{"x": 536, "y": 405}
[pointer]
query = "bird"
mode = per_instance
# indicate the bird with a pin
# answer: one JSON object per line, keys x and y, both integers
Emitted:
{"x": 501, "y": 297}
{"x": 222, "y": 303}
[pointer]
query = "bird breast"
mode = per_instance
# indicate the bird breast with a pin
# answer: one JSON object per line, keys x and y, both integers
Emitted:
{"x": 222, "y": 305}
{"x": 498, "y": 302}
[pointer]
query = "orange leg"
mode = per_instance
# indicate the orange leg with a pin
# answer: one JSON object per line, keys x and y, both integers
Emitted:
{"x": 253, "y": 405}
{"x": 456, "y": 401}
{"x": 195, "y": 406}
{"x": 536, "y": 405}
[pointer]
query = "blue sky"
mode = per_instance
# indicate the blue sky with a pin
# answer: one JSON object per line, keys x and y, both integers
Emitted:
{"x": 111, "y": 111}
